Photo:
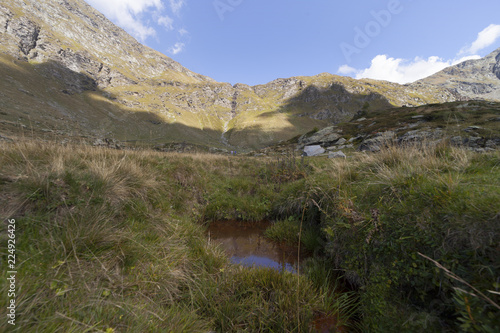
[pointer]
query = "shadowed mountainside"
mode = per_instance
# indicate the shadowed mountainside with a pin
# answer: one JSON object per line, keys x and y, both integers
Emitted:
{"x": 69, "y": 70}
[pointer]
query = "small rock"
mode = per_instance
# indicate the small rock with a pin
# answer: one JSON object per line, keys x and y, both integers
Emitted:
{"x": 472, "y": 128}
{"x": 456, "y": 141}
{"x": 313, "y": 150}
{"x": 371, "y": 147}
{"x": 109, "y": 143}
{"x": 341, "y": 141}
{"x": 417, "y": 117}
{"x": 337, "y": 154}
{"x": 492, "y": 144}
{"x": 4, "y": 138}
{"x": 99, "y": 142}
{"x": 475, "y": 142}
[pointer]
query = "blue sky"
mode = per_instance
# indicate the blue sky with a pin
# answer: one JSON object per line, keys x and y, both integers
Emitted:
{"x": 257, "y": 41}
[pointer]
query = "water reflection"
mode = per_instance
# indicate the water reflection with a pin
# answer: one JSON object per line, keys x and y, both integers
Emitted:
{"x": 245, "y": 243}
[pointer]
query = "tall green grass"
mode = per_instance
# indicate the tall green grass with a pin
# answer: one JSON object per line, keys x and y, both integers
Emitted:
{"x": 388, "y": 208}
{"x": 111, "y": 241}
{"x": 114, "y": 240}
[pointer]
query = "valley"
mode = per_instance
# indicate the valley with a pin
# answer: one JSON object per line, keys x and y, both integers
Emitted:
{"x": 150, "y": 198}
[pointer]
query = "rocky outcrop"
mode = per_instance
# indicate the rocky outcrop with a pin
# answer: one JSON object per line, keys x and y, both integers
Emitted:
{"x": 376, "y": 142}
{"x": 78, "y": 36}
{"x": 471, "y": 79}
{"x": 77, "y": 51}
{"x": 108, "y": 143}
{"x": 325, "y": 137}
{"x": 428, "y": 125}
{"x": 26, "y": 31}
{"x": 496, "y": 68}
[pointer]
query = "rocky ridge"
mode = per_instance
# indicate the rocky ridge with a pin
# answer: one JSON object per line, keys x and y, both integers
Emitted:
{"x": 471, "y": 79}
{"x": 474, "y": 125}
{"x": 90, "y": 78}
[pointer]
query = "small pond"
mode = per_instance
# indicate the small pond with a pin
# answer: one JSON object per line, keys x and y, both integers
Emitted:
{"x": 246, "y": 244}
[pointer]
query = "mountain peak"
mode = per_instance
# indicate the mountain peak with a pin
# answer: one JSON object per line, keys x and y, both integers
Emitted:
{"x": 69, "y": 70}
{"x": 74, "y": 33}
{"x": 471, "y": 79}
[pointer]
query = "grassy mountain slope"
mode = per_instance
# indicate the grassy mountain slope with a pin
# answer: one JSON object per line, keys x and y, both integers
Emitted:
{"x": 74, "y": 52}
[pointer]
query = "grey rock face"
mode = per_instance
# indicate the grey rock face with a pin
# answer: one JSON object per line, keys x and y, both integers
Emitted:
{"x": 322, "y": 115}
{"x": 108, "y": 143}
{"x": 471, "y": 79}
{"x": 325, "y": 136}
{"x": 26, "y": 31}
{"x": 100, "y": 39}
{"x": 420, "y": 136}
{"x": 341, "y": 141}
{"x": 375, "y": 143}
{"x": 5, "y": 17}
{"x": 496, "y": 68}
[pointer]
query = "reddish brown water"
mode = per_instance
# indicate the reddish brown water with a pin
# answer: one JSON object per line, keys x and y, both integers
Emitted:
{"x": 245, "y": 243}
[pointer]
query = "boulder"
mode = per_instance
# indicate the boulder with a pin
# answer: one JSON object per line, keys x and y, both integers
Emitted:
{"x": 337, "y": 154}
{"x": 341, "y": 141}
{"x": 313, "y": 150}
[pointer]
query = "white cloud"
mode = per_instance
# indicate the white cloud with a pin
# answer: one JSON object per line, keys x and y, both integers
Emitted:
{"x": 346, "y": 70}
{"x": 484, "y": 39}
{"x": 135, "y": 15}
{"x": 403, "y": 71}
{"x": 167, "y": 22}
{"x": 126, "y": 14}
{"x": 183, "y": 32}
{"x": 177, "y": 48}
{"x": 176, "y": 5}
